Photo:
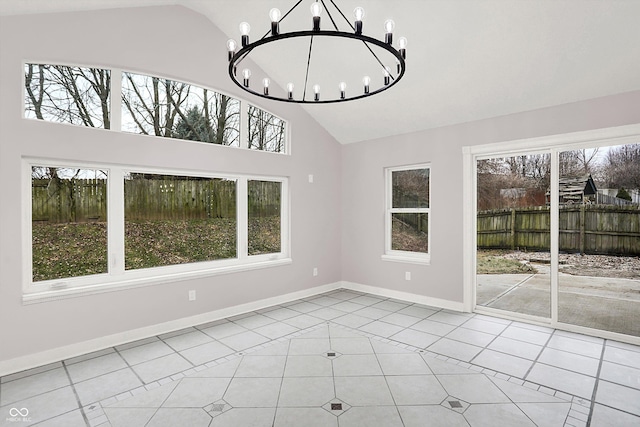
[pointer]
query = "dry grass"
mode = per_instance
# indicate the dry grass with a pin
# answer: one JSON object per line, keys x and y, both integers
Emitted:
{"x": 494, "y": 262}
{"x": 80, "y": 249}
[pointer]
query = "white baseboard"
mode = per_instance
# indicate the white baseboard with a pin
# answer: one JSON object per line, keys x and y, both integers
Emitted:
{"x": 66, "y": 352}
{"x": 404, "y": 296}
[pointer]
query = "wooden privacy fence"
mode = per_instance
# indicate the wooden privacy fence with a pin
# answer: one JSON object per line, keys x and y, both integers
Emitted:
{"x": 161, "y": 199}
{"x": 587, "y": 229}
{"x": 68, "y": 200}
{"x": 85, "y": 200}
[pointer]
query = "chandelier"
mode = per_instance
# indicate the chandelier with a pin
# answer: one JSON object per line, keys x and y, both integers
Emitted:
{"x": 387, "y": 62}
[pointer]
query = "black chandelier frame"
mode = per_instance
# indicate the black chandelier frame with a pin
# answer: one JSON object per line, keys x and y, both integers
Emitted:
{"x": 272, "y": 36}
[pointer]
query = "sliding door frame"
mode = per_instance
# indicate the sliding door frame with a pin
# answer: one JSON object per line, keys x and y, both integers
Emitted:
{"x": 549, "y": 144}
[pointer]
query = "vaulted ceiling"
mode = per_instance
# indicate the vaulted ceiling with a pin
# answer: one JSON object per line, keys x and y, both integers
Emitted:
{"x": 466, "y": 59}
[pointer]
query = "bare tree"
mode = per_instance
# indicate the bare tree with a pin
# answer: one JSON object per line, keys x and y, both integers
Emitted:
{"x": 65, "y": 94}
{"x": 266, "y": 131}
{"x": 622, "y": 166}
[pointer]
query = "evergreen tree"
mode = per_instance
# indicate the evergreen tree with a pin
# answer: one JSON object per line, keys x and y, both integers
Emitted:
{"x": 623, "y": 194}
{"x": 194, "y": 128}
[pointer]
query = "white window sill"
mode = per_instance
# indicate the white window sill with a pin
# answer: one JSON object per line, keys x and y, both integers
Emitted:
{"x": 408, "y": 259}
{"x": 138, "y": 282}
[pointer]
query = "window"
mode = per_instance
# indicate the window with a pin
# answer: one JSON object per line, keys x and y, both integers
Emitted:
{"x": 173, "y": 219}
{"x": 148, "y": 105}
{"x": 266, "y": 131}
{"x": 264, "y": 217}
{"x": 407, "y": 213}
{"x": 68, "y": 222}
{"x": 157, "y": 226}
{"x": 172, "y": 109}
{"x": 65, "y": 94}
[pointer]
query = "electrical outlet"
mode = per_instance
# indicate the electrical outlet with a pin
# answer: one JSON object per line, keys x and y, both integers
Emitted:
{"x": 407, "y": 275}
{"x": 315, "y": 271}
{"x": 192, "y": 295}
{"x": 310, "y": 179}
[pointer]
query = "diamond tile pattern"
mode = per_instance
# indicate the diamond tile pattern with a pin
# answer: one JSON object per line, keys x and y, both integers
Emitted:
{"x": 340, "y": 359}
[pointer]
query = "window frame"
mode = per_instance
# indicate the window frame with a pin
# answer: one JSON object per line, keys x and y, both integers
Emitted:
{"x": 115, "y": 105}
{"x": 117, "y": 278}
{"x": 400, "y": 255}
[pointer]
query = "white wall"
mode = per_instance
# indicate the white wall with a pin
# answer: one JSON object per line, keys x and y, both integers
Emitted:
{"x": 172, "y": 42}
{"x": 337, "y": 223}
{"x": 363, "y": 189}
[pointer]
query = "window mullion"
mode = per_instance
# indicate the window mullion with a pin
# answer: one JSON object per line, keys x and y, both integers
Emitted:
{"x": 244, "y": 124}
{"x": 115, "y": 221}
{"x": 116, "y": 99}
{"x": 242, "y": 215}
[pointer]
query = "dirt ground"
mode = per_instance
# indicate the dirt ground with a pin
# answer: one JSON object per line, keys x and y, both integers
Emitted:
{"x": 584, "y": 265}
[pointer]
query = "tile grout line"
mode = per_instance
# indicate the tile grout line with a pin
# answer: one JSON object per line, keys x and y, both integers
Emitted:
{"x": 215, "y": 362}
{"x": 539, "y": 354}
{"x": 595, "y": 386}
{"x": 75, "y": 393}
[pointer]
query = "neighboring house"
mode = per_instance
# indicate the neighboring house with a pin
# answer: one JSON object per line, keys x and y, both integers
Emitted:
{"x": 573, "y": 190}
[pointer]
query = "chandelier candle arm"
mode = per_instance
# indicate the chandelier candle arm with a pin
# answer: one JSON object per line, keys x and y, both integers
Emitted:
{"x": 398, "y": 55}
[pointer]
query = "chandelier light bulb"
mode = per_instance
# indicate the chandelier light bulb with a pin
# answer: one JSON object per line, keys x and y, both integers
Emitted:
{"x": 316, "y": 10}
{"x": 244, "y": 31}
{"x": 265, "y": 83}
{"x": 366, "y": 80}
{"x": 316, "y": 91}
{"x": 343, "y": 89}
{"x": 245, "y": 28}
{"x": 402, "y": 43}
{"x": 358, "y": 12}
{"x": 290, "y": 90}
{"x": 386, "y": 72}
{"x": 275, "y": 16}
{"x": 389, "y": 26}
{"x": 231, "y": 46}
{"x": 246, "y": 73}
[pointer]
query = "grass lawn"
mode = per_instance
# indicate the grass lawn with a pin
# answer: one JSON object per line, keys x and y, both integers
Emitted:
{"x": 491, "y": 262}
{"x": 80, "y": 249}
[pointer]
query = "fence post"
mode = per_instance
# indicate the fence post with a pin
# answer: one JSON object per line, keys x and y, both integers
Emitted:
{"x": 582, "y": 229}
{"x": 513, "y": 229}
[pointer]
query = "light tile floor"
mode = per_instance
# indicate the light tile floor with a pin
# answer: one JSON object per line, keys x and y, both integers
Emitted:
{"x": 339, "y": 359}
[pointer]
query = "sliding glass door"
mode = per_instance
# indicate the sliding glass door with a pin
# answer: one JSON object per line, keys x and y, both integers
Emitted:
{"x": 599, "y": 238}
{"x": 513, "y": 234}
{"x": 558, "y": 236}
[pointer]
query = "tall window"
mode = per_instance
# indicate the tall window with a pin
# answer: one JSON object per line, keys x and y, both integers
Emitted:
{"x": 264, "y": 212}
{"x": 172, "y": 109}
{"x": 407, "y": 213}
{"x": 68, "y": 222}
{"x": 65, "y": 94}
